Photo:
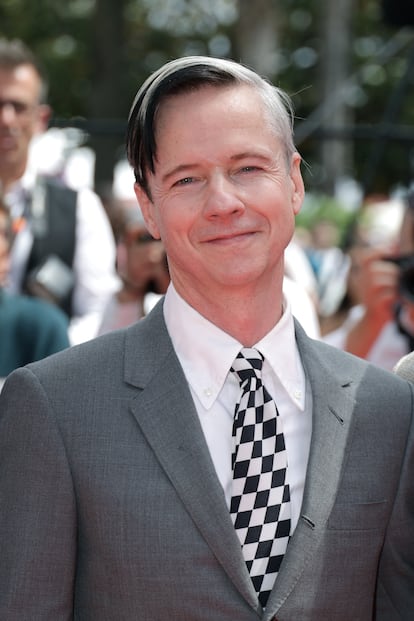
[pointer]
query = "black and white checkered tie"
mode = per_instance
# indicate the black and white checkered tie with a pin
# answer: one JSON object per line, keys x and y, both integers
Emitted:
{"x": 260, "y": 503}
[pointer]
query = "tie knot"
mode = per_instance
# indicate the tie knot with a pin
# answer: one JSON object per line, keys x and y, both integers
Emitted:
{"x": 248, "y": 364}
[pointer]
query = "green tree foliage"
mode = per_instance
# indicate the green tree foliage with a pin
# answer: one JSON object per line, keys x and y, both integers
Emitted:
{"x": 59, "y": 33}
{"x": 97, "y": 52}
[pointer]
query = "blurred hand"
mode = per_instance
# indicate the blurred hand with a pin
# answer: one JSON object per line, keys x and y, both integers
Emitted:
{"x": 375, "y": 284}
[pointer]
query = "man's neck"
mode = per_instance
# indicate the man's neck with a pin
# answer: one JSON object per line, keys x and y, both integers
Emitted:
{"x": 10, "y": 178}
{"x": 246, "y": 315}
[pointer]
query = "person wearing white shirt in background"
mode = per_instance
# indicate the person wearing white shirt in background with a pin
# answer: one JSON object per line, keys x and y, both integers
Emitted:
{"x": 143, "y": 271}
{"x": 377, "y": 322}
{"x": 24, "y": 116}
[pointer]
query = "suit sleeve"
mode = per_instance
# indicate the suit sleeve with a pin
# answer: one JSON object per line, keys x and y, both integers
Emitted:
{"x": 395, "y": 593}
{"x": 37, "y": 516}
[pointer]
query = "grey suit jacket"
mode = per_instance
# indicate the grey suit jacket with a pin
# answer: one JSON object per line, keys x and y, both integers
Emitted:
{"x": 111, "y": 510}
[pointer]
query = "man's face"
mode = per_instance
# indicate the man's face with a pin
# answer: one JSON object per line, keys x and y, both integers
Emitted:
{"x": 143, "y": 258}
{"x": 21, "y": 117}
{"x": 223, "y": 196}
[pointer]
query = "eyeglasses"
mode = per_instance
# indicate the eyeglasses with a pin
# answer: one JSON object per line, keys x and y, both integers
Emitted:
{"x": 138, "y": 238}
{"x": 20, "y": 108}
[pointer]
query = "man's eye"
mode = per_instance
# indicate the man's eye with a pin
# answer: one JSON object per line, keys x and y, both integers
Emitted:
{"x": 185, "y": 181}
{"x": 249, "y": 169}
{"x": 19, "y": 107}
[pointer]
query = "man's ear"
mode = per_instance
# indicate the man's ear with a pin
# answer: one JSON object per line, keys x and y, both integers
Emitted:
{"x": 148, "y": 210}
{"x": 44, "y": 112}
{"x": 298, "y": 188}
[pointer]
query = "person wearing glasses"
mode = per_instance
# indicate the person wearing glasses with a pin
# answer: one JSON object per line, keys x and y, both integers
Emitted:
{"x": 142, "y": 268}
{"x": 64, "y": 248}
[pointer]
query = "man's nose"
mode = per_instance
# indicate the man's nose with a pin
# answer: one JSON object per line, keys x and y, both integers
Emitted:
{"x": 7, "y": 111}
{"x": 223, "y": 197}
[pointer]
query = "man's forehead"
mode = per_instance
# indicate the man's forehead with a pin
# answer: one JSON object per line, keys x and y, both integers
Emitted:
{"x": 20, "y": 78}
{"x": 172, "y": 104}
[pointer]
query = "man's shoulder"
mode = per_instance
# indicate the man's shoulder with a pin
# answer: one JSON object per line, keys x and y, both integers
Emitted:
{"x": 104, "y": 352}
{"x": 59, "y": 193}
{"x": 57, "y": 183}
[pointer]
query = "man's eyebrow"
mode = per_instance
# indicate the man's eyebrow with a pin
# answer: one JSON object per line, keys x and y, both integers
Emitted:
{"x": 265, "y": 157}
{"x": 177, "y": 170}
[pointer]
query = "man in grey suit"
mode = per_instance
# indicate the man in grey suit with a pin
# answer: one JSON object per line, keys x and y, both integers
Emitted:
{"x": 119, "y": 458}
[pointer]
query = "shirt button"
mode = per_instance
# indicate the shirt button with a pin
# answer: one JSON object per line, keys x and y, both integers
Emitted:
{"x": 208, "y": 392}
{"x": 297, "y": 394}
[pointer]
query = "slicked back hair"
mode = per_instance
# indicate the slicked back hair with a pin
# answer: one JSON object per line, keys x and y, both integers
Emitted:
{"x": 189, "y": 74}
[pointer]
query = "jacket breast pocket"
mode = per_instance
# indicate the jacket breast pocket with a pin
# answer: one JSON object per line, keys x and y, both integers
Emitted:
{"x": 359, "y": 516}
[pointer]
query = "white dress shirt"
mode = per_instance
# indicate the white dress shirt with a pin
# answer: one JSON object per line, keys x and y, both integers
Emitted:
{"x": 206, "y": 354}
{"x": 302, "y": 307}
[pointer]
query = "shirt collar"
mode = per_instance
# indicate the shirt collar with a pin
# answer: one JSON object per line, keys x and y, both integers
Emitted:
{"x": 206, "y": 352}
{"x": 18, "y": 194}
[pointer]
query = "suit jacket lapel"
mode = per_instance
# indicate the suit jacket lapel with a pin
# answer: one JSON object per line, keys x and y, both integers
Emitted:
{"x": 166, "y": 414}
{"x": 332, "y": 406}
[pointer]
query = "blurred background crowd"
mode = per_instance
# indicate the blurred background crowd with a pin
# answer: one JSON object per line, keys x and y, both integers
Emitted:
{"x": 75, "y": 257}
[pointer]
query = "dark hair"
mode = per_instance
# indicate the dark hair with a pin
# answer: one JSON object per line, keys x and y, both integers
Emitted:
{"x": 189, "y": 74}
{"x": 14, "y": 53}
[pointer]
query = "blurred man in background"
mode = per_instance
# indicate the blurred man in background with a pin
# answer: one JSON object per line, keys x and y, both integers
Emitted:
{"x": 64, "y": 248}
